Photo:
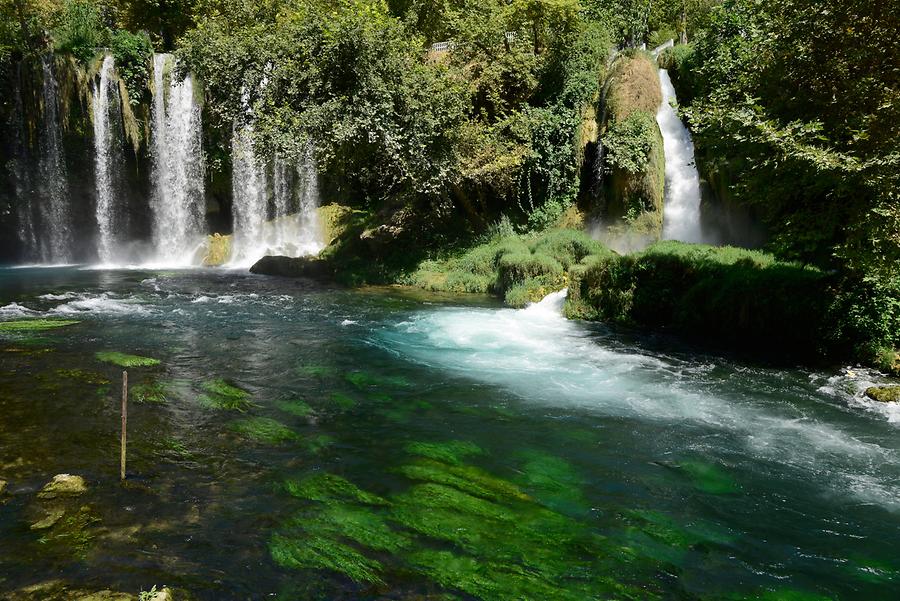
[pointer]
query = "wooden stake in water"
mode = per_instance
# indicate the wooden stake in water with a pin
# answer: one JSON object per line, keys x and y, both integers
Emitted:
{"x": 124, "y": 422}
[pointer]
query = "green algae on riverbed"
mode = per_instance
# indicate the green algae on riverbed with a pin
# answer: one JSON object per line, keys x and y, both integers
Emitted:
{"x": 34, "y": 325}
{"x": 222, "y": 395}
{"x": 504, "y": 546}
{"x": 264, "y": 429}
{"x": 126, "y": 360}
{"x": 151, "y": 392}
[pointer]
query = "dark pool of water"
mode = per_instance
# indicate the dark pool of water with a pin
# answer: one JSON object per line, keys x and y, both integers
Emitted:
{"x": 389, "y": 445}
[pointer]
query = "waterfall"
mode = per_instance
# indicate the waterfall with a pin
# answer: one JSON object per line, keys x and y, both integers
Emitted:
{"x": 53, "y": 207}
{"x": 178, "y": 170}
{"x": 103, "y": 161}
{"x": 293, "y": 230}
{"x": 681, "y": 215}
{"x": 249, "y": 199}
{"x": 25, "y": 213}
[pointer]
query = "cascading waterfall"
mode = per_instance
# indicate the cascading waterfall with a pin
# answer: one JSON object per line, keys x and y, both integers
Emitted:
{"x": 56, "y": 245}
{"x": 249, "y": 198}
{"x": 22, "y": 180}
{"x": 104, "y": 161}
{"x": 178, "y": 168}
{"x": 681, "y": 214}
{"x": 303, "y": 234}
{"x": 293, "y": 229}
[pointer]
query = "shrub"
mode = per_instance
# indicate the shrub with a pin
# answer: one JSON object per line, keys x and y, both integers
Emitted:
{"x": 134, "y": 54}
{"x": 79, "y": 31}
{"x": 740, "y": 298}
{"x": 568, "y": 246}
{"x": 628, "y": 142}
{"x": 516, "y": 268}
{"x": 679, "y": 62}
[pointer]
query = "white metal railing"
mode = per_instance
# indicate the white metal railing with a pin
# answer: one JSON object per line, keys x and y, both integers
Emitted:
{"x": 443, "y": 46}
{"x": 667, "y": 44}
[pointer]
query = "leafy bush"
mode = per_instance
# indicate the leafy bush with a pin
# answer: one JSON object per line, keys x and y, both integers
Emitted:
{"x": 629, "y": 142}
{"x": 678, "y": 61}
{"x": 519, "y": 267}
{"x": 80, "y": 30}
{"x": 134, "y": 54}
{"x": 736, "y": 297}
{"x": 568, "y": 246}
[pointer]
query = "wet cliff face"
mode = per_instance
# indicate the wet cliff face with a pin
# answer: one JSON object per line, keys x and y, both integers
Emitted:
{"x": 50, "y": 123}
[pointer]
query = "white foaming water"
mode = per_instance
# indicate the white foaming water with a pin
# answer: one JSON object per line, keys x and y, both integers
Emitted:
{"x": 103, "y": 142}
{"x": 13, "y": 310}
{"x": 103, "y": 304}
{"x": 681, "y": 212}
{"x": 543, "y": 358}
{"x": 178, "y": 194}
{"x": 56, "y": 230}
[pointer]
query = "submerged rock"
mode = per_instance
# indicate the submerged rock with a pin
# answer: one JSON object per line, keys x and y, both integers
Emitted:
{"x": 49, "y": 521}
{"x": 884, "y": 394}
{"x": 300, "y": 267}
{"x": 63, "y": 484}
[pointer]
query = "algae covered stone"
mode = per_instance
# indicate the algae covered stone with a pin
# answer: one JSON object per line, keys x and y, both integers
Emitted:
{"x": 125, "y": 360}
{"x": 63, "y": 485}
{"x": 884, "y": 394}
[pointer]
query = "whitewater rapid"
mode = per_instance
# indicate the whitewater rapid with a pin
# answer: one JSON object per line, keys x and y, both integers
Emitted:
{"x": 564, "y": 366}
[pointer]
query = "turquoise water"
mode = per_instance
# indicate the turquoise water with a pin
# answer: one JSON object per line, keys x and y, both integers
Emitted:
{"x": 302, "y": 442}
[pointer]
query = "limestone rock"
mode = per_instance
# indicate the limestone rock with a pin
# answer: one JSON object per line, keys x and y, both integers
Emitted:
{"x": 49, "y": 521}
{"x": 884, "y": 394}
{"x": 63, "y": 484}
{"x": 162, "y": 595}
{"x": 106, "y": 595}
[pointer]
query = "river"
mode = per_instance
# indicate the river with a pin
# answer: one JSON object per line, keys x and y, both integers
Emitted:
{"x": 387, "y": 444}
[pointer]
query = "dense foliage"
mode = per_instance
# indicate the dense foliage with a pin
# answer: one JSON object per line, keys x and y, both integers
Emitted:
{"x": 794, "y": 104}
{"x": 496, "y": 117}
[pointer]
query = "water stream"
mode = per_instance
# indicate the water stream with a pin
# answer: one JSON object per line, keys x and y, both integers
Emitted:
{"x": 178, "y": 201}
{"x": 681, "y": 212}
{"x": 104, "y": 156}
{"x": 558, "y": 459}
{"x": 53, "y": 186}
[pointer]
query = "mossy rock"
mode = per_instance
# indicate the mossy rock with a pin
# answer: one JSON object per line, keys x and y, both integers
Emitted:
{"x": 125, "y": 360}
{"x": 34, "y": 325}
{"x": 264, "y": 429}
{"x": 65, "y": 485}
{"x": 217, "y": 250}
{"x": 884, "y": 394}
{"x": 73, "y": 533}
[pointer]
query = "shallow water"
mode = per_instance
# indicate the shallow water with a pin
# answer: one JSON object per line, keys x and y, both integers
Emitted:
{"x": 497, "y": 453}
